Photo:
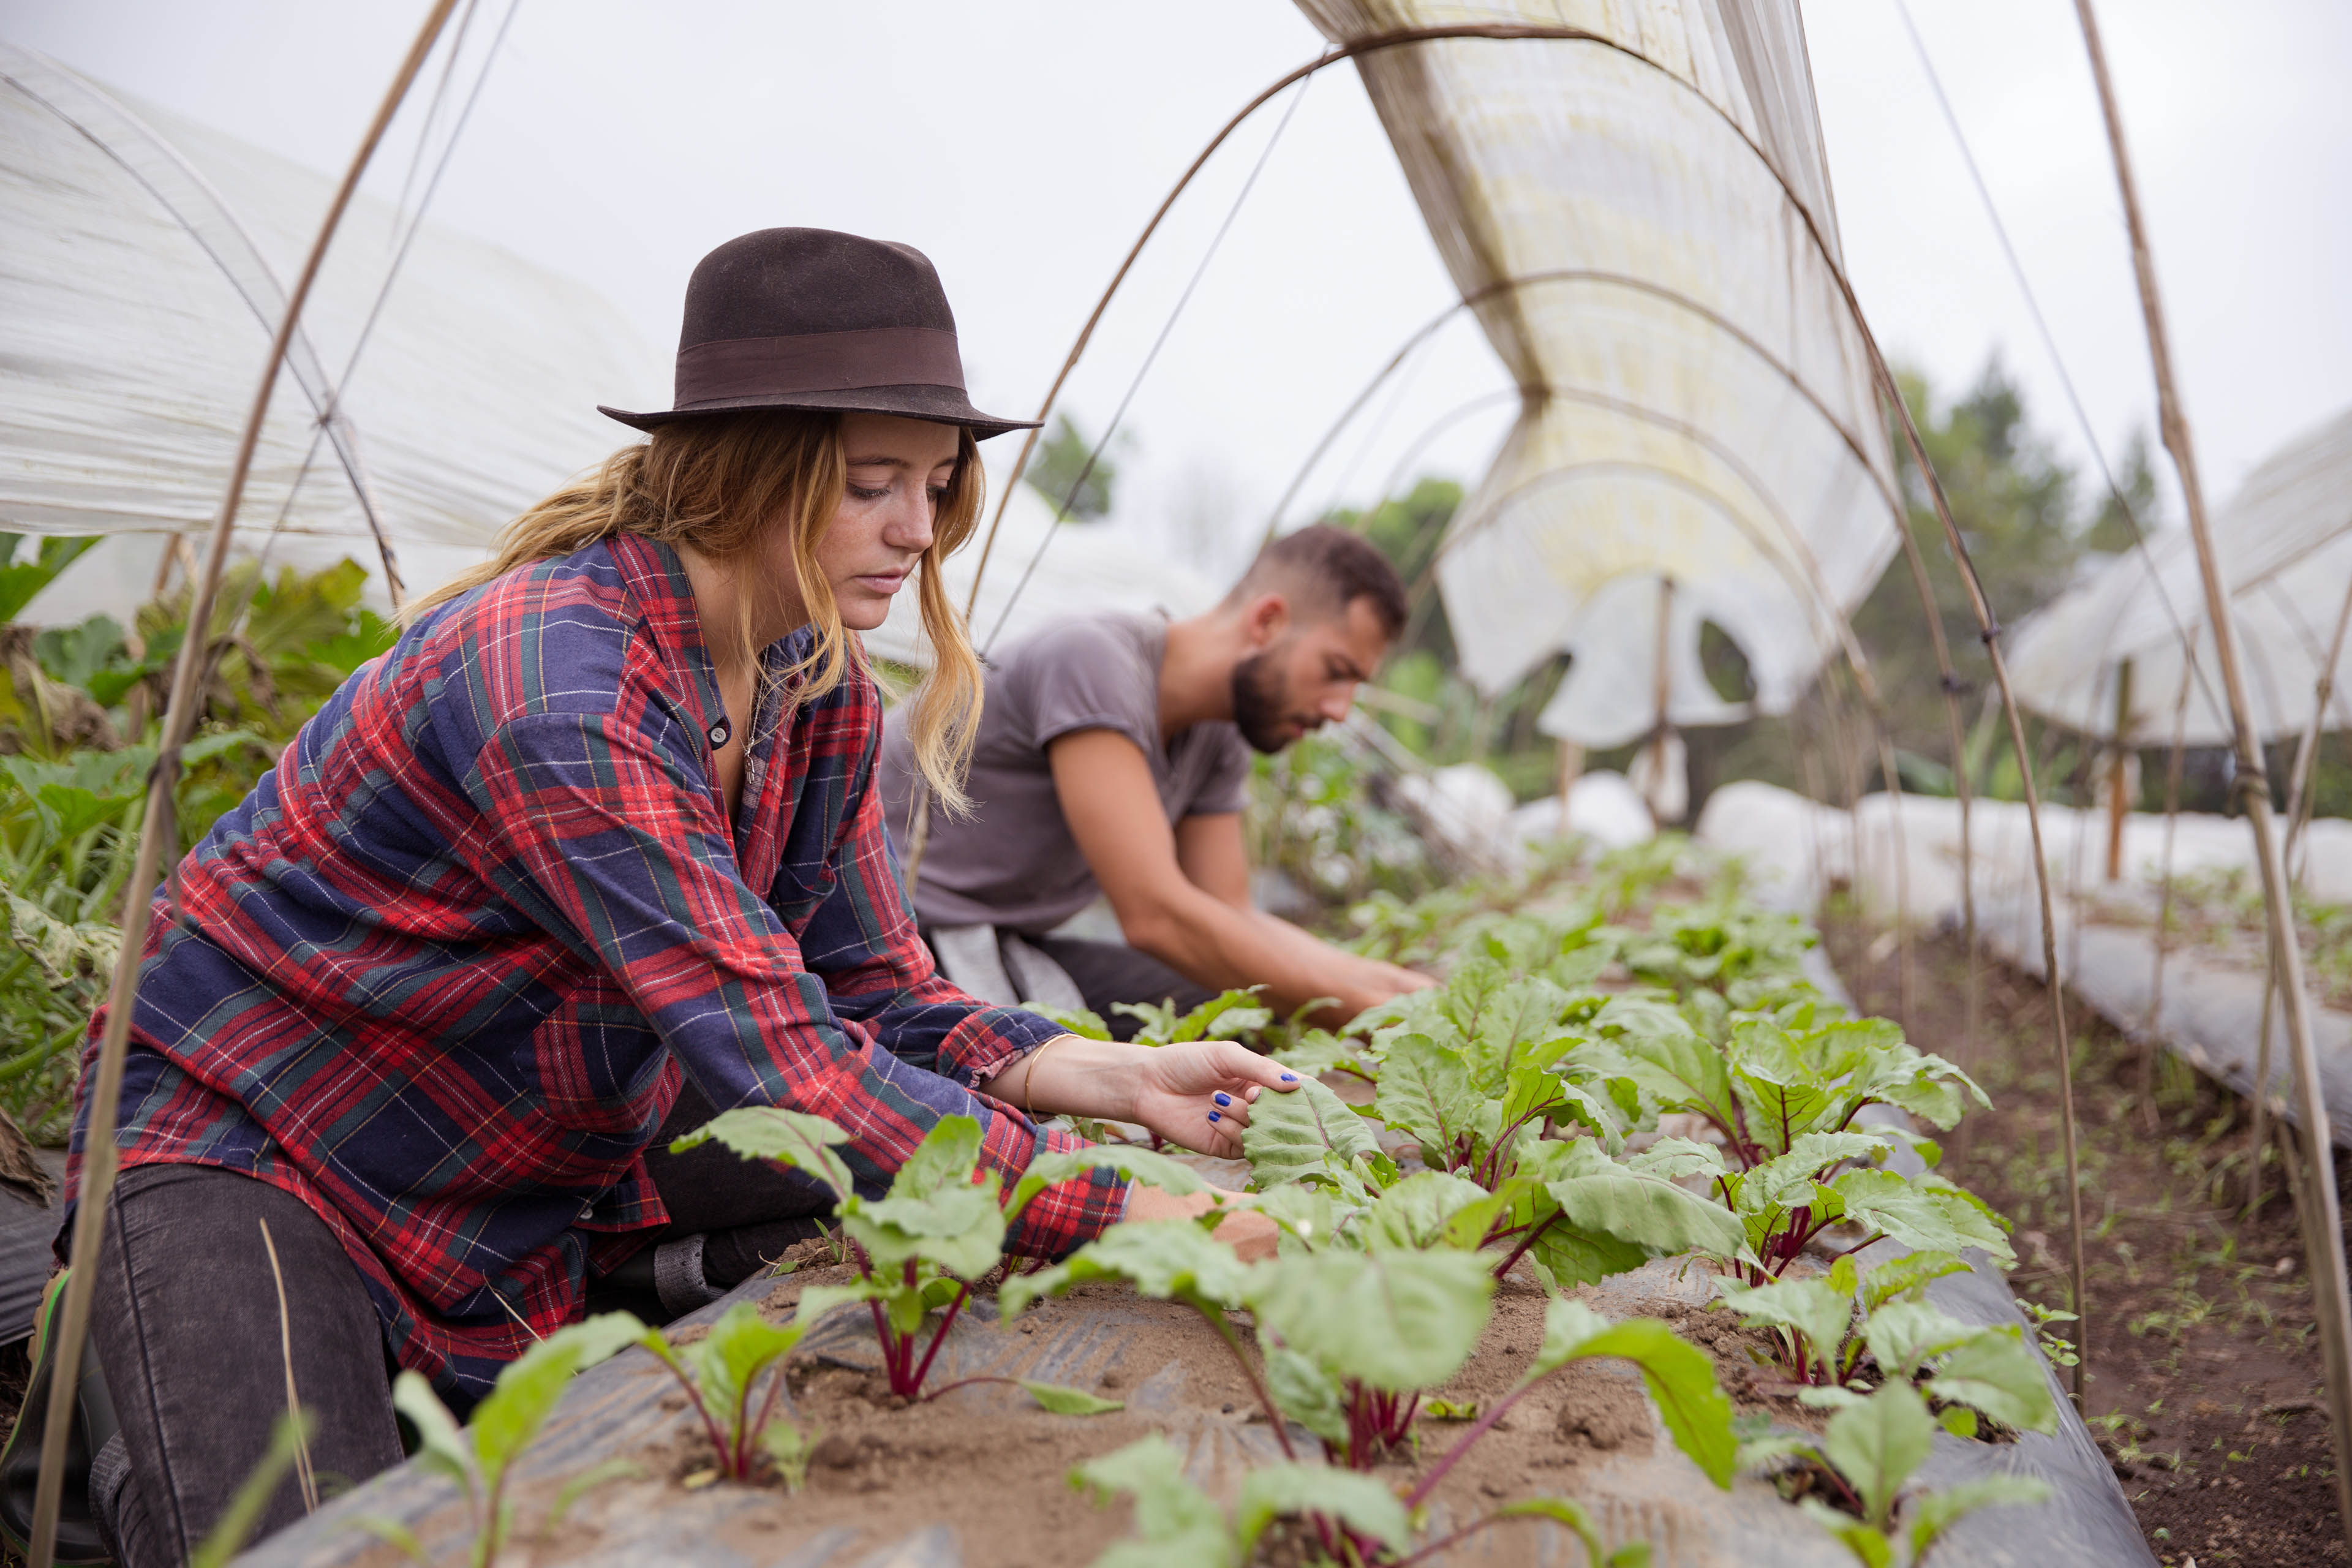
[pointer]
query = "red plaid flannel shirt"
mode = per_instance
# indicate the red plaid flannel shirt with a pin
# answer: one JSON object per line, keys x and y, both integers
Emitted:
{"x": 437, "y": 975}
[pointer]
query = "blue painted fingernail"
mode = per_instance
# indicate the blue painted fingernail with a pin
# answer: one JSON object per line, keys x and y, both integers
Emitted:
{"x": 1223, "y": 1098}
{"x": 1214, "y": 1117}
{"x": 1290, "y": 1078}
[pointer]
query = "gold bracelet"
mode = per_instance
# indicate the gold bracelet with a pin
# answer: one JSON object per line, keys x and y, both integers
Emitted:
{"x": 1027, "y": 1107}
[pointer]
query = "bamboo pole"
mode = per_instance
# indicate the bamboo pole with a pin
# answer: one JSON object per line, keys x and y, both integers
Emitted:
{"x": 2323, "y": 1221}
{"x": 2153, "y": 1040}
{"x": 2118, "y": 773}
{"x": 100, "y": 1155}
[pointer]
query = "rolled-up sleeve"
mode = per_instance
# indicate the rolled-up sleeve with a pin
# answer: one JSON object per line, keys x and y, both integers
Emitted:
{"x": 617, "y": 850}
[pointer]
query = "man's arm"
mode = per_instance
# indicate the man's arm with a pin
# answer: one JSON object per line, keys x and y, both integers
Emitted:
{"x": 1202, "y": 926}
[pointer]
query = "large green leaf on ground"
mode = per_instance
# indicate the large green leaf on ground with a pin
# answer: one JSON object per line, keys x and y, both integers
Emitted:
{"x": 1303, "y": 1134}
{"x": 1602, "y": 1196}
{"x": 1400, "y": 1322}
{"x": 1163, "y": 1259}
{"x": 1680, "y": 1378}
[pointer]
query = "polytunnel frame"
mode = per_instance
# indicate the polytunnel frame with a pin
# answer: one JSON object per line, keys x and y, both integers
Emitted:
{"x": 101, "y": 1155}
{"x": 1891, "y": 392}
{"x": 324, "y": 396}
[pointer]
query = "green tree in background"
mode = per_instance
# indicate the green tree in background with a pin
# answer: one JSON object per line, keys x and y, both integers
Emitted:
{"x": 1059, "y": 472}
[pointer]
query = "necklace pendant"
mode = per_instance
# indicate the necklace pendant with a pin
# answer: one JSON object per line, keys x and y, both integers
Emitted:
{"x": 721, "y": 734}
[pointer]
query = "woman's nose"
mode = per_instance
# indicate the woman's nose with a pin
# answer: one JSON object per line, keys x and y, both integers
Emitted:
{"x": 910, "y": 525}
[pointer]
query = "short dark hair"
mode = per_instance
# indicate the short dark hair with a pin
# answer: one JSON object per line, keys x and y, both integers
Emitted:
{"x": 1324, "y": 570}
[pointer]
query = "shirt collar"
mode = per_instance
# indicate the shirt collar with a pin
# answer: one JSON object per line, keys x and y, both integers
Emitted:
{"x": 656, "y": 578}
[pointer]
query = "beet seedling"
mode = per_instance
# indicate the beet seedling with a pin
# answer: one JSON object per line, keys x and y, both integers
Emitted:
{"x": 480, "y": 1457}
{"x": 939, "y": 1228}
{"x": 720, "y": 1373}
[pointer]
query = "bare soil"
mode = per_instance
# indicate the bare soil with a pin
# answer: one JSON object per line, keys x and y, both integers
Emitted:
{"x": 2203, "y": 1368}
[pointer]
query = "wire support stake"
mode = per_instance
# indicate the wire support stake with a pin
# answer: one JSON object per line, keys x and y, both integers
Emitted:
{"x": 2322, "y": 1215}
{"x": 100, "y": 1155}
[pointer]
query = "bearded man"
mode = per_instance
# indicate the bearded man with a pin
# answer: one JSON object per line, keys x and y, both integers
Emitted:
{"x": 1113, "y": 759}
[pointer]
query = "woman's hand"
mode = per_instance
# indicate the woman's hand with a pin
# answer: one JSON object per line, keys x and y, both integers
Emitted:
{"x": 1247, "y": 1232}
{"x": 1199, "y": 1094}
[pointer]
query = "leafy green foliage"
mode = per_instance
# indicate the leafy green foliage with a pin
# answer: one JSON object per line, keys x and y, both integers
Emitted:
{"x": 480, "y": 1457}
{"x": 1177, "y": 1526}
{"x": 1232, "y": 1016}
{"x": 721, "y": 1374}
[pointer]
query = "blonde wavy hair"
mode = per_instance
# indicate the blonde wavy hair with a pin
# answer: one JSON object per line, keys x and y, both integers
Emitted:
{"x": 718, "y": 484}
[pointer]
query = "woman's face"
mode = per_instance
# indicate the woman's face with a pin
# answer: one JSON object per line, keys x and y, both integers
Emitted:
{"x": 898, "y": 470}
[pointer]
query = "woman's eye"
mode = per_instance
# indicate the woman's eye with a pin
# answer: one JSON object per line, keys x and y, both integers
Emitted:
{"x": 939, "y": 494}
{"x": 862, "y": 493}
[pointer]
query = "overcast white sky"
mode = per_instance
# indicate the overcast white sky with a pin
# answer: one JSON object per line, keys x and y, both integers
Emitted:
{"x": 1023, "y": 144}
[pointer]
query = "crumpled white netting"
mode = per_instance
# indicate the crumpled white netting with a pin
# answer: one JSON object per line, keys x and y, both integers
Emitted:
{"x": 2284, "y": 541}
{"x": 145, "y": 267}
{"x": 1697, "y": 401}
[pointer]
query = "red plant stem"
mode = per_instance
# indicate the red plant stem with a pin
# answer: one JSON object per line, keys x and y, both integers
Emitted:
{"x": 915, "y": 1384}
{"x": 1533, "y": 1237}
{"x": 1224, "y": 1332}
{"x": 889, "y": 1341}
{"x": 1462, "y": 1446}
{"x": 767, "y": 1414}
{"x": 1457, "y": 1538}
{"x": 964, "y": 1383}
{"x": 694, "y": 1394}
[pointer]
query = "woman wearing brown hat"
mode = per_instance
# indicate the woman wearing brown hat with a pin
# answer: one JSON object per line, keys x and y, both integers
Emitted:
{"x": 595, "y": 849}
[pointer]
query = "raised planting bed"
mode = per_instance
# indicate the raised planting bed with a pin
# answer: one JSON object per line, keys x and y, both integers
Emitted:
{"x": 1631, "y": 1251}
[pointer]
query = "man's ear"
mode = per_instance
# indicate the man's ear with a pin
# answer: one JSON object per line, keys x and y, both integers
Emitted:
{"x": 1264, "y": 619}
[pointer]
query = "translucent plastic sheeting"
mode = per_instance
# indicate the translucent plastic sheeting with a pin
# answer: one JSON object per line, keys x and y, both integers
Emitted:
{"x": 1630, "y": 224}
{"x": 143, "y": 265}
{"x": 1092, "y": 566}
{"x": 2284, "y": 541}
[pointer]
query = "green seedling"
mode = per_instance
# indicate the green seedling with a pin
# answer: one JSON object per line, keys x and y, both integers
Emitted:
{"x": 1869, "y": 1454}
{"x": 480, "y": 1457}
{"x": 941, "y": 1226}
{"x": 1845, "y": 1334}
{"x": 721, "y": 1374}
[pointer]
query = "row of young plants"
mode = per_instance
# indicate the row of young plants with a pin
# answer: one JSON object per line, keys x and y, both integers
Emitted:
{"x": 80, "y": 715}
{"x": 1605, "y": 1078}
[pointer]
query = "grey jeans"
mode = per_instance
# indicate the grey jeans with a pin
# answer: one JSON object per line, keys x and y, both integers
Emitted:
{"x": 185, "y": 1322}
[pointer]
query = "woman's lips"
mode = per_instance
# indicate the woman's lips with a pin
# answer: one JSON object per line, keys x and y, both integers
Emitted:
{"x": 882, "y": 583}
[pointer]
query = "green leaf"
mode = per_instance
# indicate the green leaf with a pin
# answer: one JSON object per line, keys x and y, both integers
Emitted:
{"x": 1668, "y": 1063}
{"x": 1062, "y": 1400}
{"x": 1083, "y": 1022}
{"x": 783, "y": 1137}
{"x": 1050, "y": 1169}
{"x": 1876, "y": 1445}
{"x": 789, "y": 1449}
{"x": 816, "y": 1301}
{"x": 528, "y": 1387}
{"x": 1907, "y": 1276}
{"x": 1781, "y": 1178}
{"x": 394, "y": 1533}
{"x": 1400, "y": 1322}
{"x": 959, "y": 1227}
{"x": 1570, "y": 1257}
{"x": 1679, "y": 1375}
{"x": 728, "y": 1360}
{"x": 946, "y": 1157}
{"x": 1603, "y": 1198}
{"x": 1959, "y": 1420}
{"x": 1917, "y": 1215}
{"x": 1425, "y": 1094}
{"x": 1904, "y": 1336}
{"x": 1870, "y": 1548}
{"x": 1995, "y": 1373}
{"x": 1305, "y": 1133}
{"x": 1163, "y": 1258}
{"x": 1932, "y": 1513}
{"x": 440, "y": 1446}
{"x": 1317, "y": 1052}
{"x": 582, "y": 1485}
{"x": 1808, "y": 1306}
{"x": 1177, "y": 1524}
{"x": 1845, "y": 1275}
{"x": 1288, "y": 1491}
{"x": 1419, "y": 1213}
{"x": 1307, "y": 1395}
{"x": 1673, "y": 1159}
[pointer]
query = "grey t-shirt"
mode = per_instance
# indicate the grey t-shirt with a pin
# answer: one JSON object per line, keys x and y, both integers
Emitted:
{"x": 1012, "y": 862}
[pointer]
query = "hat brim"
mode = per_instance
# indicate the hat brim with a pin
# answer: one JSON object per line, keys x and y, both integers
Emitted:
{"x": 938, "y": 404}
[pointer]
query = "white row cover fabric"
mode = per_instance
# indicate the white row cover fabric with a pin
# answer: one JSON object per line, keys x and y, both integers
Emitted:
{"x": 143, "y": 265}
{"x": 2284, "y": 541}
{"x": 1698, "y": 402}
{"x": 1092, "y": 566}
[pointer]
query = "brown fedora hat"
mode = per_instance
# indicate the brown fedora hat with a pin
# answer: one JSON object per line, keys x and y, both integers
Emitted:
{"x": 806, "y": 318}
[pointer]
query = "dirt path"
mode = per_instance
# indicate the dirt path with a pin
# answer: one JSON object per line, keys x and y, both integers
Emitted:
{"x": 2204, "y": 1363}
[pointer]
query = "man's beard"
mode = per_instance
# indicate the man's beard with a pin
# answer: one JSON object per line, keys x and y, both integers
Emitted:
{"x": 1259, "y": 700}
